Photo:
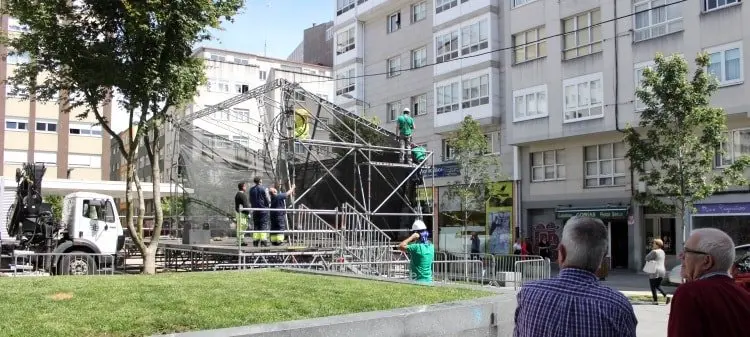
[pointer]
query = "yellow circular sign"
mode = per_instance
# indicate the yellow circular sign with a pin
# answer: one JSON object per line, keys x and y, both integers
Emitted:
{"x": 301, "y": 123}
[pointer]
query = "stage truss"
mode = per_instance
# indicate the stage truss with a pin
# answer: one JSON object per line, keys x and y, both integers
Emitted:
{"x": 335, "y": 159}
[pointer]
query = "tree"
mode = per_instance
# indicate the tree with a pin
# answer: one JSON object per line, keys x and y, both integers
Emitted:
{"x": 90, "y": 50}
{"x": 678, "y": 137}
{"x": 342, "y": 132}
{"x": 55, "y": 202}
{"x": 479, "y": 171}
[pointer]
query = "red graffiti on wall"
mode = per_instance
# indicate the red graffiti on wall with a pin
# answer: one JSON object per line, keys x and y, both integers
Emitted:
{"x": 549, "y": 232}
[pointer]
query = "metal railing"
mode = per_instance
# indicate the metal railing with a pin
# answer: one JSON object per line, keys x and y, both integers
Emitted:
{"x": 321, "y": 234}
{"x": 530, "y": 270}
{"x": 362, "y": 238}
{"x": 500, "y": 270}
{"x": 45, "y": 264}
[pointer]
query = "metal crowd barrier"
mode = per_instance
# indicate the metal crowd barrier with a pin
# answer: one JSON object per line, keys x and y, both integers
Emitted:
{"x": 500, "y": 270}
{"x": 44, "y": 264}
{"x": 530, "y": 270}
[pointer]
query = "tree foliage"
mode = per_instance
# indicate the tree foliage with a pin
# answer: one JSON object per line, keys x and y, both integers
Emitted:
{"x": 674, "y": 146}
{"x": 479, "y": 169}
{"x": 56, "y": 203}
{"x": 88, "y": 50}
{"x": 344, "y": 131}
{"x": 173, "y": 205}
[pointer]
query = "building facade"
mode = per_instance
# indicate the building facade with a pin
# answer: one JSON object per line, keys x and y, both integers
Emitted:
{"x": 316, "y": 46}
{"x": 434, "y": 57}
{"x": 44, "y": 132}
{"x": 575, "y": 67}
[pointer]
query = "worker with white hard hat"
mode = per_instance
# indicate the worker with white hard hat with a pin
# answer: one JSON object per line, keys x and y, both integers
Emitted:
{"x": 404, "y": 129}
{"x": 420, "y": 251}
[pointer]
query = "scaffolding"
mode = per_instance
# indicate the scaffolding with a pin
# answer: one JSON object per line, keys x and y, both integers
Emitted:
{"x": 345, "y": 168}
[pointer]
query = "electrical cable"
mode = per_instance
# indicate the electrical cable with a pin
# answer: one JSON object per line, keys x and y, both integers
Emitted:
{"x": 675, "y": 2}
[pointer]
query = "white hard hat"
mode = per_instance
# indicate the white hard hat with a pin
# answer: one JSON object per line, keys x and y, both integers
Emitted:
{"x": 418, "y": 226}
{"x": 407, "y": 110}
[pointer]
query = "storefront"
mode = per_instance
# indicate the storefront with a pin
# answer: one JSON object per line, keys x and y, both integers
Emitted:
{"x": 616, "y": 219}
{"x": 664, "y": 227}
{"x": 732, "y": 218}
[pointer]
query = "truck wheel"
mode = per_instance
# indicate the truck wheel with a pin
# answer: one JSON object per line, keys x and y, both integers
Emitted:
{"x": 76, "y": 263}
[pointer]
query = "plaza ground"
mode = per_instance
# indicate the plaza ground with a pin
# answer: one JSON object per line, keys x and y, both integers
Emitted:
{"x": 134, "y": 305}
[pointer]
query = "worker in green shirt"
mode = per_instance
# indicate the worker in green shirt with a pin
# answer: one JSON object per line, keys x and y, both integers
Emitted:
{"x": 420, "y": 251}
{"x": 419, "y": 153}
{"x": 404, "y": 129}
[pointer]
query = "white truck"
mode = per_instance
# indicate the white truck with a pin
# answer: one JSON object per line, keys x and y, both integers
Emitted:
{"x": 86, "y": 240}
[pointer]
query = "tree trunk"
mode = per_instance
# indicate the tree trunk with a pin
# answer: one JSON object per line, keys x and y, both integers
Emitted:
{"x": 149, "y": 259}
{"x": 155, "y": 181}
{"x": 129, "y": 179}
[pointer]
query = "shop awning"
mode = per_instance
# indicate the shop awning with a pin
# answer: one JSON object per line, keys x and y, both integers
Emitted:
{"x": 593, "y": 212}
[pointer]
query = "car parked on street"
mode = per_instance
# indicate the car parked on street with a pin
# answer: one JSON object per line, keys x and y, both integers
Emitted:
{"x": 740, "y": 269}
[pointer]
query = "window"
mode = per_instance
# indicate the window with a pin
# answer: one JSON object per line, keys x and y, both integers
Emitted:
{"x": 605, "y": 165}
{"x": 517, "y": 3}
{"x": 393, "y": 66}
{"x": 736, "y": 146}
{"x": 418, "y": 12}
{"x": 394, "y": 108}
{"x": 529, "y": 45}
{"x": 345, "y": 41}
{"x": 419, "y": 58}
{"x": 639, "y": 106}
{"x": 530, "y": 103}
{"x": 242, "y": 141}
{"x": 16, "y": 125}
{"x": 419, "y": 105}
{"x": 446, "y": 97}
{"x": 548, "y": 165}
{"x": 493, "y": 142}
{"x": 583, "y": 34}
{"x": 240, "y": 115}
{"x": 447, "y": 151}
{"x": 474, "y": 37}
{"x": 710, "y": 5}
{"x": 345, "y": 82}
{"x": 15, "y": 156}
{"x": 11, "y": 91}
{"x": 18, "y": 58}
{"x": 583, "y": 97}
{"x": 262, "y": 74}
{"x": 446, "y": 47}
{"x": 342, "y": 6}
{"x": 476, "y": 91}
{"x": 46, "y": 126}
{"x": 394, "y": 22}
{"x": 84, "y": 160}
{"x": 329, "y": 33}
{"x": 85, "y": 130}
{"x": 15, "y": 26}
{"x": 241, "y": 61}
{"x": 45, "y": 157}
{"x": 725, "y": 62}
{"x": 217, "y": 86}
{"x": 218, "y": 58}
{"x": 241, "y": 88}
{"x": 444, "y": 5}
{"x": 657, "y": 22}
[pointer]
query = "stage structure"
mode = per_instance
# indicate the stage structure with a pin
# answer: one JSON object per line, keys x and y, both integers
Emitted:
{"x": 353, "y": 197}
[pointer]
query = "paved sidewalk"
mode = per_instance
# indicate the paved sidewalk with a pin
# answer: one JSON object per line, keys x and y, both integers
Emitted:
{"x": 652, "y": 320}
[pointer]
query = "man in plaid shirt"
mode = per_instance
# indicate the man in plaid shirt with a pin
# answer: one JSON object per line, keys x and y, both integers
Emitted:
{"x": 574, "y": 304}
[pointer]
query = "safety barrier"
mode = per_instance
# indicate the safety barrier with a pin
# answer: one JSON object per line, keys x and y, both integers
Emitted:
{"x": 442, "y": 271}
{"x": 498, "y": 270}
{"x": 364, "y": 240}
{"x": 530, "y": 270}
{"x": 42, "y": 264}
{"x": 315, "y": 232}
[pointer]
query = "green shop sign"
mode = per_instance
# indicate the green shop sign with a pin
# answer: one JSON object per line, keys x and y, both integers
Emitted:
{"x": 601, "y": 213}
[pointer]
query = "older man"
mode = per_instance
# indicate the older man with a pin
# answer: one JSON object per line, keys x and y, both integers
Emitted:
{"x": 710, "y": 303}
{"x": 574, "y": 303}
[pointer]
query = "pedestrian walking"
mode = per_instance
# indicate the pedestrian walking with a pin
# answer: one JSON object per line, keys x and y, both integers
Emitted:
{"x": 475, "y": 246}
{"x": 709, "y": 303}
{"x": 574, "y": 303}
{"x": 420, "y": 251}
{"x": 656, "y": 270}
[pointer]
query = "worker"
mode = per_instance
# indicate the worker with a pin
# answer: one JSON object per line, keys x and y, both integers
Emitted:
{"x": 419, "y": 153}
{"x": 420, "y": 251}
{"x": 278, "y": 218}
{"x": 241, "y": 217}
{"x": 260, "y": 199}
{"x": 404, "y": 129}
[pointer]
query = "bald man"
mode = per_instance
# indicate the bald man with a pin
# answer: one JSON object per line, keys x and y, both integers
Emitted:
{"x": 710, "y": 303}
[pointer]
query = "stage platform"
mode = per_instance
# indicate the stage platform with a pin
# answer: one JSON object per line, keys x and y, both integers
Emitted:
{"x": 230, "y": 246}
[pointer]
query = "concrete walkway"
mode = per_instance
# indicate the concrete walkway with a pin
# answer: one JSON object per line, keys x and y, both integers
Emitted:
{"x": 652, "y": 320}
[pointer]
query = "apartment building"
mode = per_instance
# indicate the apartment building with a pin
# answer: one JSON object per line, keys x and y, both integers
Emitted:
{"x": 572, "y": 82}
{"x": 434, "y": 57}
{"x": 43, "y": 132}
{"x": 316, "y": 46}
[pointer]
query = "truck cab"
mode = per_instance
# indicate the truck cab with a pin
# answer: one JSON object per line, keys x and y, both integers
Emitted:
{"x": 90, "y": 223}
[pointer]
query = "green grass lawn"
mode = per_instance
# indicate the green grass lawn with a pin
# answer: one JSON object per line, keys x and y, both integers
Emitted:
{"x": 135, "y": 305}
{"x": 647, "y": 298}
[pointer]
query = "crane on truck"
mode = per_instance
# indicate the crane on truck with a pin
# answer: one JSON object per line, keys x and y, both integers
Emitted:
{"x": 87, "y": 238}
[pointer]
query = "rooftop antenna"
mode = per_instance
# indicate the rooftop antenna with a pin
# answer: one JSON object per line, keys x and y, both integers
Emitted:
{"x": 265, "y": 33}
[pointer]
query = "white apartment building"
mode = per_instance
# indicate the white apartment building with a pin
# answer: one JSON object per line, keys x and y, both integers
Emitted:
{"x": 573, "y": 92}
{"x": 434, "y": 57}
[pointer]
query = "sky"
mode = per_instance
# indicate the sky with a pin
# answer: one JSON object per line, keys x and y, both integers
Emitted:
{"x": 278, "y": 24}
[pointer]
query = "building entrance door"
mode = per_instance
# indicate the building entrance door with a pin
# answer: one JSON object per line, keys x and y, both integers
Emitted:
{"x": 659, "y": 227}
